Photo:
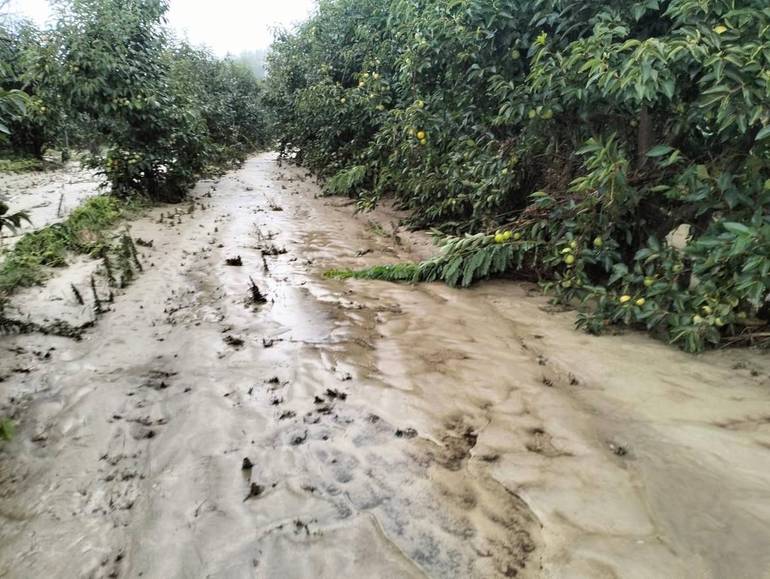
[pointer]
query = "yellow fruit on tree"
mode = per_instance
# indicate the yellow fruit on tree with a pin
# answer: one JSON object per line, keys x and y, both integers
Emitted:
{"x": 424, "y": 141}
{"x": 507, "y": 235}
{"x": 569, "y": 260}
{"x": 640, "y": 302}
{"x": 624, "y": 299}
{"x": 598, "y": 243}
{"x": 499, "y": 238}
{"x": 421, "y": 135}
{"x": 649, "y": 281}
{"x": 516, "y": 236}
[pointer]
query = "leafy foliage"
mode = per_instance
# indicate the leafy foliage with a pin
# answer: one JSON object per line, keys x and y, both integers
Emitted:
{"x": 588, "y": 131}
{"x": 154, "y": 113}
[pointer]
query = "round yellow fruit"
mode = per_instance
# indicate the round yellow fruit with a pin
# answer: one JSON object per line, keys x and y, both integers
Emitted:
{"x": 707, "y": 310}
{"x": 640, "y": 302}
{"x": 516, "y": 236}
{"x": 421, "y": 135}
{"x": 573, "y": 244}
{"x": 507, "y": 235}
{"x": 499, "y": 238}
{"x": 547, "y": 114}
{"x": 423, "y": 141}
{"x": 624, "y": 299}
{"x": 419, "y": 104}
{"x": 569, "y": 260}
{"x": 598, "y": 243}
{"x": 649, "y": 281}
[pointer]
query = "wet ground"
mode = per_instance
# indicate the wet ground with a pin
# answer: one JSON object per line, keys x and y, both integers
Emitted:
{"x": 46, "y": 196}
{"x": 362, "y": 429}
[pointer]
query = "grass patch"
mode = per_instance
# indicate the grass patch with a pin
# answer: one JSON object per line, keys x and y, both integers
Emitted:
{"x": 21, "y": 165}
{"x": 407, "y": 272}
{"x": 83, "y": 232}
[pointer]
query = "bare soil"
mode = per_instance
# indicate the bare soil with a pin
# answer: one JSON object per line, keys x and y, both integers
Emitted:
{"x": 323, "y": 428}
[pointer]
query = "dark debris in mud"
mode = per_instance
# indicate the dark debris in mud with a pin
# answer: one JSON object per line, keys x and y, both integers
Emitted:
{"x": 234, "y": 341}
{"x": 247, "y": 464}
{"x": 255, "y": 491}
{"x": 299, "y": 439}
{"x": 9, "y": 326}
{"x": 336, "y": 394}
{"x": 406, "y": 433}
{"x": 234, "y": 261}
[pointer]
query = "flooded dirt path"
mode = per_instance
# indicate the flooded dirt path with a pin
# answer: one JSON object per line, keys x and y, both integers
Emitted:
{"x": 389, "y": 430}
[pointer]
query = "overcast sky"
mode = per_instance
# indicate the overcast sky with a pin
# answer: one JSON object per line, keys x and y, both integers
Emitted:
{"x": 223, "y": 25}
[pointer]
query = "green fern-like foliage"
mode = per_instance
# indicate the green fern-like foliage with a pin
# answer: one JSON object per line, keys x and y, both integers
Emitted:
{"x": 462, "y": 261}
{"x": 404, "y": 272}
{"x": 345, "y": 181}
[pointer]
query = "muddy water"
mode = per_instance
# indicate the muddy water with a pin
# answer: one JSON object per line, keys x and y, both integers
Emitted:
{"x": 393, "y": 431}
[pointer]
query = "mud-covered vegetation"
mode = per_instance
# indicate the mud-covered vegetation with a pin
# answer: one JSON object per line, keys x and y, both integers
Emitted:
{"x": 559, "y": 138}
{"x": 87, "y": 231}
{"x": 147, "y": 112}
{"x": 154, "y": 112}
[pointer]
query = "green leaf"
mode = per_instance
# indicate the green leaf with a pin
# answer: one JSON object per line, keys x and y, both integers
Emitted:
{"x": 736, "y": 228}
{"x": 659, "y": 151}
{"x": 764, "y": 133}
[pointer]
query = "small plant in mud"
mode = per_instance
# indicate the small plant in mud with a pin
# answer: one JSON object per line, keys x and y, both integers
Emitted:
{"x": 7, "y": 429}
{"x": 255, "y": 295}
{"x": 11, "y": 221}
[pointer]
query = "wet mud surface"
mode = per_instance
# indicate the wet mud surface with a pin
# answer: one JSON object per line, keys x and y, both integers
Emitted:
{"x": 236, "y": 415}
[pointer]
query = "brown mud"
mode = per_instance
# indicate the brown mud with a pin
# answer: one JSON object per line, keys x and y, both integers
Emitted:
{"x": 260, "y": 421}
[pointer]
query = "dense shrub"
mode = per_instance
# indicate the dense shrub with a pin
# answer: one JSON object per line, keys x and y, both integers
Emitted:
{"x": 573, "y": 134}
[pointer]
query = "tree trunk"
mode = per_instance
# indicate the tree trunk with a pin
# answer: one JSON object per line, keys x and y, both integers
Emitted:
{"x": 645, "y": 137}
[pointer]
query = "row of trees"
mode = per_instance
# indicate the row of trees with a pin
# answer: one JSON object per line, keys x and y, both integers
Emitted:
{"x": 569, "y": 137}
{"x": 155, "y": 112}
